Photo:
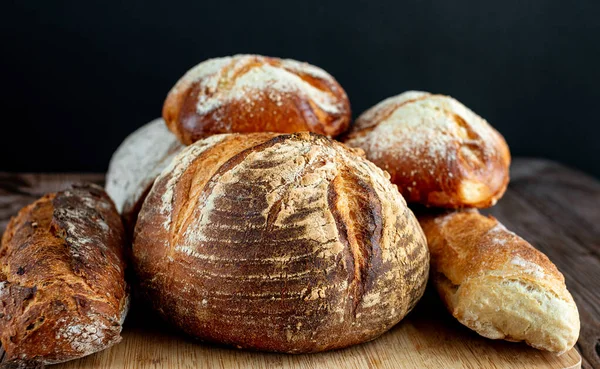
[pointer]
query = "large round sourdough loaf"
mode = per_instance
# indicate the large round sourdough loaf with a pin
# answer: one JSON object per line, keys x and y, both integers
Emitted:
{"x": 254, "y": 93}
{"x": 290, "y": 243}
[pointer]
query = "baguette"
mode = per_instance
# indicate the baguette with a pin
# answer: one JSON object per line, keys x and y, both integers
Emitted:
{"x": 497, "y": 284}
{"x": 62, "y": 288}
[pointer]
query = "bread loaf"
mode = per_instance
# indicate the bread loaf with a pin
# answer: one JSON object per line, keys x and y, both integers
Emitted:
{"x": 497, "y": 284}
{"x": 253, "y": 93}
{"x": 62, "y": 286}
{"x": 289, "y": 243}
{"x": 436, "y": 150}
{"x": 136, "y": 164}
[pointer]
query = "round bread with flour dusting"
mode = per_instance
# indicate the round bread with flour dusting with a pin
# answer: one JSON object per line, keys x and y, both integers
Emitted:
{"x": 436, "y": 150}
{"x": 135, "y": 165}
{"x": 253, "y": 93}
{"x": 289, "y": 243}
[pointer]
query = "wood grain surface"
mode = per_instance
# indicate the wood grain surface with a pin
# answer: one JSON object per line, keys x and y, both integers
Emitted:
{"x": 555, "y": 208}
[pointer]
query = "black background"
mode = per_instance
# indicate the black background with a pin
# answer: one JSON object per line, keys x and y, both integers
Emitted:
{"x": 79, "y": 76}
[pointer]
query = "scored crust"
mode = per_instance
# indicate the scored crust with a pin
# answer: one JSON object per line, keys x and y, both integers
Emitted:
{"x": 497, "y": 284}
{"x": 62, "y": 286}
{"x": 289, "y": 243}
{"x": 253, "y": 93}
{"x": 436, "y": 150}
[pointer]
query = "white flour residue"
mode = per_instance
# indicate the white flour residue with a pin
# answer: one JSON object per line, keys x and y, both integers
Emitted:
{"x": 371, "y": 117}
{"x": 207, "y": 68}
{"x": 500, "y": 235}
{"x": 138, "y": 161}
{"x": 528, "y": 267}
{"x": 259, "y": 82}
{"x": 434, "y": 131}
{"x": 177, "y": 168}
{"x": 84, "y": 338}
{"x": 3, "y": 289}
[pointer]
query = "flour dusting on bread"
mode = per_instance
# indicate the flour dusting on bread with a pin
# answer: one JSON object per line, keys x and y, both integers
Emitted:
{"x": 83, "y": 337}
{"x": 529, "y": 267}
{"x": 497, "y": 284}
{"x": 254, "y": 82}
{"x": 138, "y": 161}
{"x": 438, "y": 152}
{"x": 177, "y": 168}
{"x": 69, "y": 292}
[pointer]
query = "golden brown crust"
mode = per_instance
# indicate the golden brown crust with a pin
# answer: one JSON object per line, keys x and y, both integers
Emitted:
{"x": 289, "y": 243}
{"x": 497, "y": 284}
{"x": 436, "y": 150}
{"x": 253, "y": 93}
{"x": 62, "y": 286}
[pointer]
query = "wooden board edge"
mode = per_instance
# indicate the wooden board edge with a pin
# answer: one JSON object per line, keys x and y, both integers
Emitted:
{"x": 576, "y": 356}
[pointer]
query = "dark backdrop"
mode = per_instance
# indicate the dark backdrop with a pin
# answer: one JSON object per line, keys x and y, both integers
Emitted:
{"x": 79, "y": 76}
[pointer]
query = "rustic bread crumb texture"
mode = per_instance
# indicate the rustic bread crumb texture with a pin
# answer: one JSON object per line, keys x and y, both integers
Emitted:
{"x": 290, "y": 243}
{"x": 497, "y": 284}
{"x": 253, "y": 93}
{"x": 436, "y": 150}
{"x": 62, "y": 286}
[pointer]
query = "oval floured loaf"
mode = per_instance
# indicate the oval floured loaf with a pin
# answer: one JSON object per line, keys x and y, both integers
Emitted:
{"x": 438, "y": 151}
{"x": 254, "y": 93}
{"x": 290, "y": 243}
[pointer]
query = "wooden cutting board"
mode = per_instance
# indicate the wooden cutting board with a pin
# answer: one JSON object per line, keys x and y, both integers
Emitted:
{"x": 555, "y": 208}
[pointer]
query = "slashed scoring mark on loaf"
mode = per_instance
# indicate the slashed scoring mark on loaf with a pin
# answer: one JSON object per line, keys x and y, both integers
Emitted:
{"x": 305, "y": 68}
{"x": 322, "y": 252}
{"x": 442, "y": 220}
{"x": 528, "y": 267}
{"x": 202, "y": 70}
{"x": 251, "y": 82}
{"x": 177, "y": 168}
{"x": 288, "y": 187}
{"x": 86, "y": 229}
{"x": 500, "y": 235}
{"x": 435, "y": 131}
{"x": 357, "y": 213}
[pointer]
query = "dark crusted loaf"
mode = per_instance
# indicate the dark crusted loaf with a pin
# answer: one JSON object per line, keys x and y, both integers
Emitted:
{"x": 290, "y": 243}
{"x": 62, "y": 287}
